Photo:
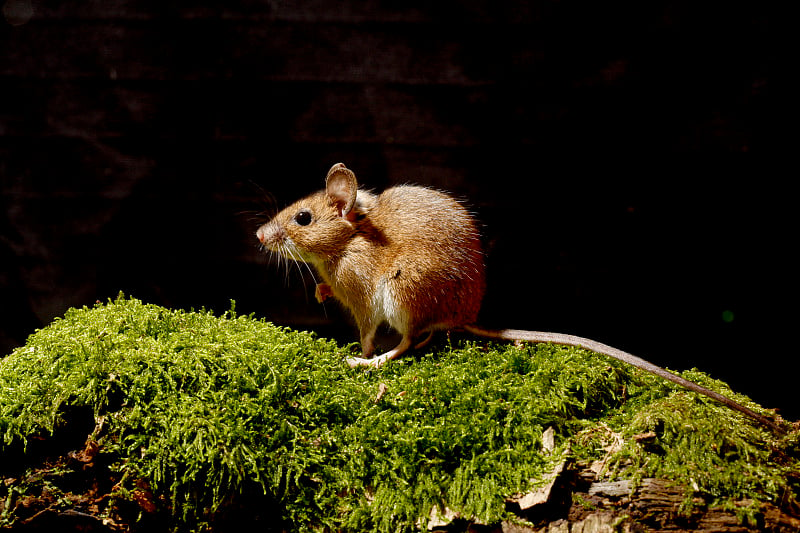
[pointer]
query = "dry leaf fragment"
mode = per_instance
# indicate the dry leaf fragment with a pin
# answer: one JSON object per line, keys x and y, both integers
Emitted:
{"x": 549, "y": 440}
{"x": 541, "y": 494}
{"x": 382, "y": 388}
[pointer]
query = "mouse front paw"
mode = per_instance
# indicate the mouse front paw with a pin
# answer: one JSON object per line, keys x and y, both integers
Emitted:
{"x": 323, "y": 292}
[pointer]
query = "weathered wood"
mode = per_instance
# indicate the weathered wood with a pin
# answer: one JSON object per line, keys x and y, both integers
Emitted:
{"x": 655, "y": 505}
{"x": 652, "y": 505}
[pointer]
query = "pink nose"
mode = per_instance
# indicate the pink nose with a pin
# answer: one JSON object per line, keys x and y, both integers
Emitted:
{"x": 271, "y": 234}
{"x": 261, "y": 234}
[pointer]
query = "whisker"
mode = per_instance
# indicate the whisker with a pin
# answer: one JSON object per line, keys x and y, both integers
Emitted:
{"x": 298, "y": 263}
{"x": 268, "y": 196}
{"x": 251, "y": 215}
{"x": 285, "y": 255}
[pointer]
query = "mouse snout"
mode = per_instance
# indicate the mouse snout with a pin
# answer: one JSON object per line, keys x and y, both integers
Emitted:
{"x": 261, "y": 234}
{"x": 270, "y": 233}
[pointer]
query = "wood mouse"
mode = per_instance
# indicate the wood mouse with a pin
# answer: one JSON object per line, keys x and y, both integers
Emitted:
{"x": 410, "y": 257}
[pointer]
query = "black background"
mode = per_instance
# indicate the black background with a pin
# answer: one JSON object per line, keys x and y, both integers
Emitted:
{"x": 619, "y": 156}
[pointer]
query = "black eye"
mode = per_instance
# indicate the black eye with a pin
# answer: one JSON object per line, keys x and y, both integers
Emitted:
{"x": 303, "y": 218}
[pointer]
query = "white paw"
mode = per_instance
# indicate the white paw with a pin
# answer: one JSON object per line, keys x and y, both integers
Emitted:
{"x": 375, "y": 362}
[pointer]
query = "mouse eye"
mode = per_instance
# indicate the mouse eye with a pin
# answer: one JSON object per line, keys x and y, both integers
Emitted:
{"x": 303, "y": 218}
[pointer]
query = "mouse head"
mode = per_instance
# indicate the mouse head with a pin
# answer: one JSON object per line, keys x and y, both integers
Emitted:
{"x": 319, "y": 226}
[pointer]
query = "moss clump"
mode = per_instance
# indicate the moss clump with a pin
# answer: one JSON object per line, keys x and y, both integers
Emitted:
{"x": 195, "y": 415}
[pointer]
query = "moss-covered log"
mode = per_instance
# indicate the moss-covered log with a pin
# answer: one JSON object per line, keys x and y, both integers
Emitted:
{"x": 129, "y": 416}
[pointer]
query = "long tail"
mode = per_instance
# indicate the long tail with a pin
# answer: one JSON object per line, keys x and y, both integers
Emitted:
{"x": 638, "y": 362}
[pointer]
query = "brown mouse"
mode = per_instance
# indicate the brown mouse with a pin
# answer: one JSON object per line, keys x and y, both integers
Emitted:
{"x": 410, "y": 257}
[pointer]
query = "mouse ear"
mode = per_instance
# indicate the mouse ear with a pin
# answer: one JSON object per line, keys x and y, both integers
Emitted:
{"x": 341, "y": 186}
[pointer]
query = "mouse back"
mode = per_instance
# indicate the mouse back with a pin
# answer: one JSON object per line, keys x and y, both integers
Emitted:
{"x": 435, "y": 265}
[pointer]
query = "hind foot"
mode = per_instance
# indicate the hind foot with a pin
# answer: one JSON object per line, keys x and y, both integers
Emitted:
{"x": 380, "y": 360}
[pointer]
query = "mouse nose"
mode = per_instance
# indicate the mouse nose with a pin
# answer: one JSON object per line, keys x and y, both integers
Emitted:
{"x": 261, "y": 234}
{"x": 270, "y": 233}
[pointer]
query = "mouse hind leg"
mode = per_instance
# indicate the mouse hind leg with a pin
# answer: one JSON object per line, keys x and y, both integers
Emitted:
{"x": 404, "y": 345}
{"x": 368, "y": 341}
{"x": 368, "y": 328}
{"x": 424, "y": 342}
{"x": 379, "y": 360}
{"x": 400, "y": 317}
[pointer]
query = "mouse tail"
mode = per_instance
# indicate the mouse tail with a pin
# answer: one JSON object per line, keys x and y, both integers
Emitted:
{"x": 610, "y": 351}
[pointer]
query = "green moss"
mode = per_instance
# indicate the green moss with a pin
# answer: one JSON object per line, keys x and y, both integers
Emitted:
{"x": 206, "y": 409}
{"x": 710, "y": 449}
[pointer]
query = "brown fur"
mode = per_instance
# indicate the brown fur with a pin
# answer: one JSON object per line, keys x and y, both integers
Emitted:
{"x": 410, "y": 256}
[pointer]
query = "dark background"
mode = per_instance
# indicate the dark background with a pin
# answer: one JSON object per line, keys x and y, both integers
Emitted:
{"x": 619, "y": 156}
